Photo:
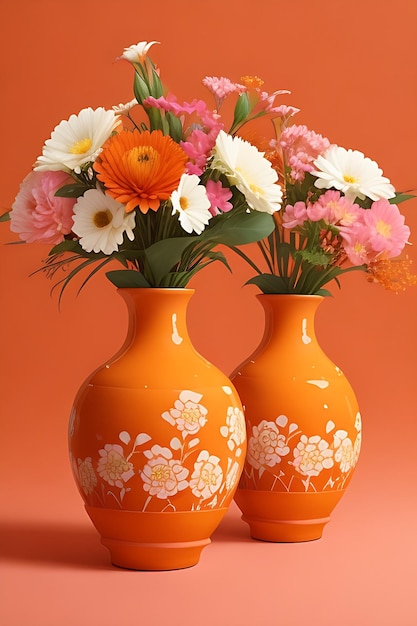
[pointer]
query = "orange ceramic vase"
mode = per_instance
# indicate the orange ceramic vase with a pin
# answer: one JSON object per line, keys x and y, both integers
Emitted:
{"x": 157, "y": 440}
{"x": 303, "y": 427}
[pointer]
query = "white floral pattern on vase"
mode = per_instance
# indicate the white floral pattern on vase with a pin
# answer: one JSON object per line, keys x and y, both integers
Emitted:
{"x": 235, "y": 428}
{"x": 207, "y": 476}
{"x": 187, "y": 414}
{"x": 113, "y": 467}
{"x": 86, "y": 474}
{"x": 287, "y": 459}
{"x": 267, "y": 445}
{"x": 163, "y": 476}
{"x": 164, "y": 472}
{"x": 312, "y": 455}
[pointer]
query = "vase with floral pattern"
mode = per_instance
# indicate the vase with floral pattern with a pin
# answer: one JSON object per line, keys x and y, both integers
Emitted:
{"x": 157, "y": 439}
{"x": 303, "y": 426}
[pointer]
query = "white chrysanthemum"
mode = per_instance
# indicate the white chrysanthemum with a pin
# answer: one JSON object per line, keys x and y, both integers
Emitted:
{"x": 247, "y": 169}
{"x": 101, "y": 222}
{"x": 78, "y": 140}
{"x": 124, "y": 107}
{"x": 352, "y": 173}
{"x": 191, "y": 202}
{"x": 137, "y": 52}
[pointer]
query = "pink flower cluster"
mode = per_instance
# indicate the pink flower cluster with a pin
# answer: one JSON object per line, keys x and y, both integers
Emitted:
{"x": 200, "y": 137}
{"x": 221, "y": 87}
{"x": 366, "y": 234}
{"x": 300, "y": 147}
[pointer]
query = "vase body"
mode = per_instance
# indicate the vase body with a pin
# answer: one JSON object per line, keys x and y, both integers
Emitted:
{"x": 157, "y": 440}
{"x": 303, "y": 426}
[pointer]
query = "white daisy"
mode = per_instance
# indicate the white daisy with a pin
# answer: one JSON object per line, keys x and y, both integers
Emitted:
{"x": 247, "y": 169}
{"x": 137, "y": 52}
{"x": 101, "y": 222}
{"x": 77, "y": 141}
{"x": 191, "y": 202}
{"x": 352, "y": 173}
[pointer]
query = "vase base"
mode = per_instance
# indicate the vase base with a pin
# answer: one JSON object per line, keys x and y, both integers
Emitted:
{"x": 154, "y": 556}
{"x": 286, "y": 517}
{"x": 155, "y": 541}
{"x": 286, "y": 531}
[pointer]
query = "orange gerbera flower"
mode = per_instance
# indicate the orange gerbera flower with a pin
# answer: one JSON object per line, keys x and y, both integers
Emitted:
{"x": 140, "y": 169}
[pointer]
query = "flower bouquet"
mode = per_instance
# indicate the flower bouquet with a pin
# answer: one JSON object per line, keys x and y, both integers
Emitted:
{"x": 339, "y": 214}
{"x": 153, "y": 184}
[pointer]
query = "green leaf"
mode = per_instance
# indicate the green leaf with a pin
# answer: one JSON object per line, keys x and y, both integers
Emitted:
{"x": 242, "y": 110}
{"x": 175, "y": 127}
{"x": 73, "y": 245}
{"x": 157, "y": 89}
{"x": 5, "y": 217}
{"x": 163, "y": 255}
{"x": 73, "y": 190}
{"x": 319, "y": 258}
{"x": 176, "y": 280}
{"x": 218, "y": 256}
{"x": 269, "y": 283}
{"x": 140, "y": 88}
{"x": 127, "y": 278}
{"x": 401, "y": 197}
{"x": 181, "y": 279}
{"x": 68, "y": 245}
{"x": 237, "y": 229}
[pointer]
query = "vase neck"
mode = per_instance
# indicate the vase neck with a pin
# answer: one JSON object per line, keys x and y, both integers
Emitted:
{"x": 158, "y": 316}
{"x": 292, "y": 315}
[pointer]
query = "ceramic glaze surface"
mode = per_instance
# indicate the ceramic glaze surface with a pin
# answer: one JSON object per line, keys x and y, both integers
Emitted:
{"x": 303, "y": 423}
{"x": 157, "y": 430}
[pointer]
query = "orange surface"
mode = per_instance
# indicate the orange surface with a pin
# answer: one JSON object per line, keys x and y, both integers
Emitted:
{"x": 351, "y": 69}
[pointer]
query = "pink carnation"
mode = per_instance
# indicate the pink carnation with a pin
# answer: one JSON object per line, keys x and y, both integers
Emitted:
{"x": 218, "y": 196}
{"x": 37, "y": 214}
{"x": 301, "y": 147}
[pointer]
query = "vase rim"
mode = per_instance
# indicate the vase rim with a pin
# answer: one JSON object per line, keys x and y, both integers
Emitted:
{"x": 157, "y": 289}
{"x": 304, "y": 296}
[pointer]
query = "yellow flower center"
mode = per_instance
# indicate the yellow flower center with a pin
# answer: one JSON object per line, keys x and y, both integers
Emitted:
{"x": 255, "y": 189}
{"x": 358, "y": 247}
{"x": 184, "y": 203}
{"x": 102, "y": 218}
{"x": 349, "y": 179}
{"x": 382, "y": 228}
{"x": 190, "y": 415}
{"x": 145, "y": 155}
{"x": 161, "y": 473}
{"x": 208, "y": 477}
{"x": 81, "y": 147}
{"x": 258, "y": 191}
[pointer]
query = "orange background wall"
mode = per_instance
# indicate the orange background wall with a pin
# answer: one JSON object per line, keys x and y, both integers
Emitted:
{"x": 351, "y": 68}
